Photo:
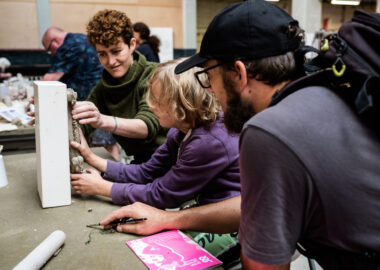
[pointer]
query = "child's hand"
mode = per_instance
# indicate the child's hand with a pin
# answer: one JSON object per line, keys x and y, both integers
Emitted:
{"x": 92, "y": 159}
{"x": 91, "y": 183}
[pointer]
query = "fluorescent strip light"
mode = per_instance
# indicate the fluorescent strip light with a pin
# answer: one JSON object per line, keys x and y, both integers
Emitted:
{"x": 345, "y": 2}
{"x": 272, "y": 0}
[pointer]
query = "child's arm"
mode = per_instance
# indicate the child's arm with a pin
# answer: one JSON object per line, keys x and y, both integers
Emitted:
{"x": 91, "y": 158}
{"x": 160, "y": 162}
{"x": 203, "y": 165}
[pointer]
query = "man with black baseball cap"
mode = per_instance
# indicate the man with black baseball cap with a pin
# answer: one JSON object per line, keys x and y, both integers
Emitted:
{"x": 300, "y": 181}
{"x": 249, "y": 30}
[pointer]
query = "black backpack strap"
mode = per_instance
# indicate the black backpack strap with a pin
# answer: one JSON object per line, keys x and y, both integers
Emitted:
{"x": 300, "y": 56}
{"x": 320, "y": 78}
{"x": 371, "y": 19}
{"x": 366, "y": 98}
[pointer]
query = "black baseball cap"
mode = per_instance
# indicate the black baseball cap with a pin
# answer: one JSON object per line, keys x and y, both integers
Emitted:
{"x": 249, "y": 30}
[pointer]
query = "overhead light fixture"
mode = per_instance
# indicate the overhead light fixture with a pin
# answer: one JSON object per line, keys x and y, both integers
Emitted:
{"x": 346, "y": 2}
{"x": 272, "y": 0}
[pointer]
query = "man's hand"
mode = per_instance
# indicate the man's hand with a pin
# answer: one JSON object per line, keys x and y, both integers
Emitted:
{"x": 55, "y": 76}
{"x": 91, "y": 183}
{"x": 5, "y": 75}
{"x": 157, "y": 220}
{"x": 88, "y": 113}
{"x": 220, "y": 217}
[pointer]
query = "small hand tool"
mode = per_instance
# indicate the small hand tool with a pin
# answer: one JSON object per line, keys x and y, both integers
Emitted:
{"x": 116, "y": 222}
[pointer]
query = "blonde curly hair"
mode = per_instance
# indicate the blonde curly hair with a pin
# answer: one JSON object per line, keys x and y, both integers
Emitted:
{"x": 108, "y": 26}
{"x": 190, "y": 103}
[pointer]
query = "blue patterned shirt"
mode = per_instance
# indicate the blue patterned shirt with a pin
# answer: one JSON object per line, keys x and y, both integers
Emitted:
{"x": 79, "y": 62}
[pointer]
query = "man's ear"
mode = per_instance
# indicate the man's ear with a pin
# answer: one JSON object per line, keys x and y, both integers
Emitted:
{"x": 241, "y": 75}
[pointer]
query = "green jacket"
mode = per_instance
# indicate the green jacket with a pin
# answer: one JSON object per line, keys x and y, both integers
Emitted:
{"x": 127, "y": 100}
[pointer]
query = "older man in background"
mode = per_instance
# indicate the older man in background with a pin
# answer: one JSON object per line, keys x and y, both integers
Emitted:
{"x": 74, "y": 61}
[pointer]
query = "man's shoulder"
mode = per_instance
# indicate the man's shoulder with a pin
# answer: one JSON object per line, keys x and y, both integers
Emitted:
{"x": 310, "y": 104}
{"x": 76, "y": 36}
{"x": 78, "y": 41}
{"x": 312, "y": 114}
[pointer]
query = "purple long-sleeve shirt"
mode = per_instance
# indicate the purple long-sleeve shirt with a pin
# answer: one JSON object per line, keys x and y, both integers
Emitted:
{"x": 203, "y": 167}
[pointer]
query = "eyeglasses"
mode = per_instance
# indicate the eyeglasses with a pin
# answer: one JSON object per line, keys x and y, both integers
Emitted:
{"x": 202, "y": 76}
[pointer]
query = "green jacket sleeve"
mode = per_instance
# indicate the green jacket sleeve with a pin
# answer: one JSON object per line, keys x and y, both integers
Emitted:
{"x": 143, "y": 111}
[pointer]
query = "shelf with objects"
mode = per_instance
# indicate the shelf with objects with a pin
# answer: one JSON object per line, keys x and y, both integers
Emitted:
{"x": 19, "y": 68}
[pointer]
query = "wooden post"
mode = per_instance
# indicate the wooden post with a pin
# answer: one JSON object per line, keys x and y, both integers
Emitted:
{"x": 52, "y": 143}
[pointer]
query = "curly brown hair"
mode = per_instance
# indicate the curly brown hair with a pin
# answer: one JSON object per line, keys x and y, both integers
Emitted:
{"x": 108, "y": 26}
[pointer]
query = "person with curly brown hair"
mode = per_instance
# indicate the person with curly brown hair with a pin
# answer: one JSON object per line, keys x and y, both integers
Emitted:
{"x": 117, "y": 104}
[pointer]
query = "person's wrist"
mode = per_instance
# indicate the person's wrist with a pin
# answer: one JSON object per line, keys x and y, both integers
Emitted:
{"x": 100, "y": 123}
{"x": 173, "y": 220}
{"x": 90, "y": 158}
{"x": 98, "y": 163}
{"x": 105, "y": 188}
{"x": 115, "y": 125}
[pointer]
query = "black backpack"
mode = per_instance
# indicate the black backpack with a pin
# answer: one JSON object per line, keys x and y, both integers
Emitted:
{"x": 349, "y": 64}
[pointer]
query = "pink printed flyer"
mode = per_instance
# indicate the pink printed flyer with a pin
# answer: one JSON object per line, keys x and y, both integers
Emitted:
{"x": 172, "y": 250}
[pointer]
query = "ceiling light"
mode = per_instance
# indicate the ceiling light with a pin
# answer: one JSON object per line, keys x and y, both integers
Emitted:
{"x": 272, "y": 0}
{"x": 345, "y": 2}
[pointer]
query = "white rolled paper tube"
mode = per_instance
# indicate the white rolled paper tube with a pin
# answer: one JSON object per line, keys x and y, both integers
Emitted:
{"x": 42, "y": 253}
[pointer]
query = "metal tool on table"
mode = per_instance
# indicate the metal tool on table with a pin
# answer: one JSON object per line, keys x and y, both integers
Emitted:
{"x": 125, "y": 220}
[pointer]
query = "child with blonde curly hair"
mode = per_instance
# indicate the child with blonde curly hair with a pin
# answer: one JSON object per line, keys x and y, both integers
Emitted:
{"x": 198, "y": 161}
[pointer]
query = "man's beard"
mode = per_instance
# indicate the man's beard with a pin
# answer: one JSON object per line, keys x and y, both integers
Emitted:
{"x": 238, "y": 111}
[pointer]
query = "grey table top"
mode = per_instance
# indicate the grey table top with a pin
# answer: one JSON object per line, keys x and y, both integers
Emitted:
{"x": 25, "y": 224}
